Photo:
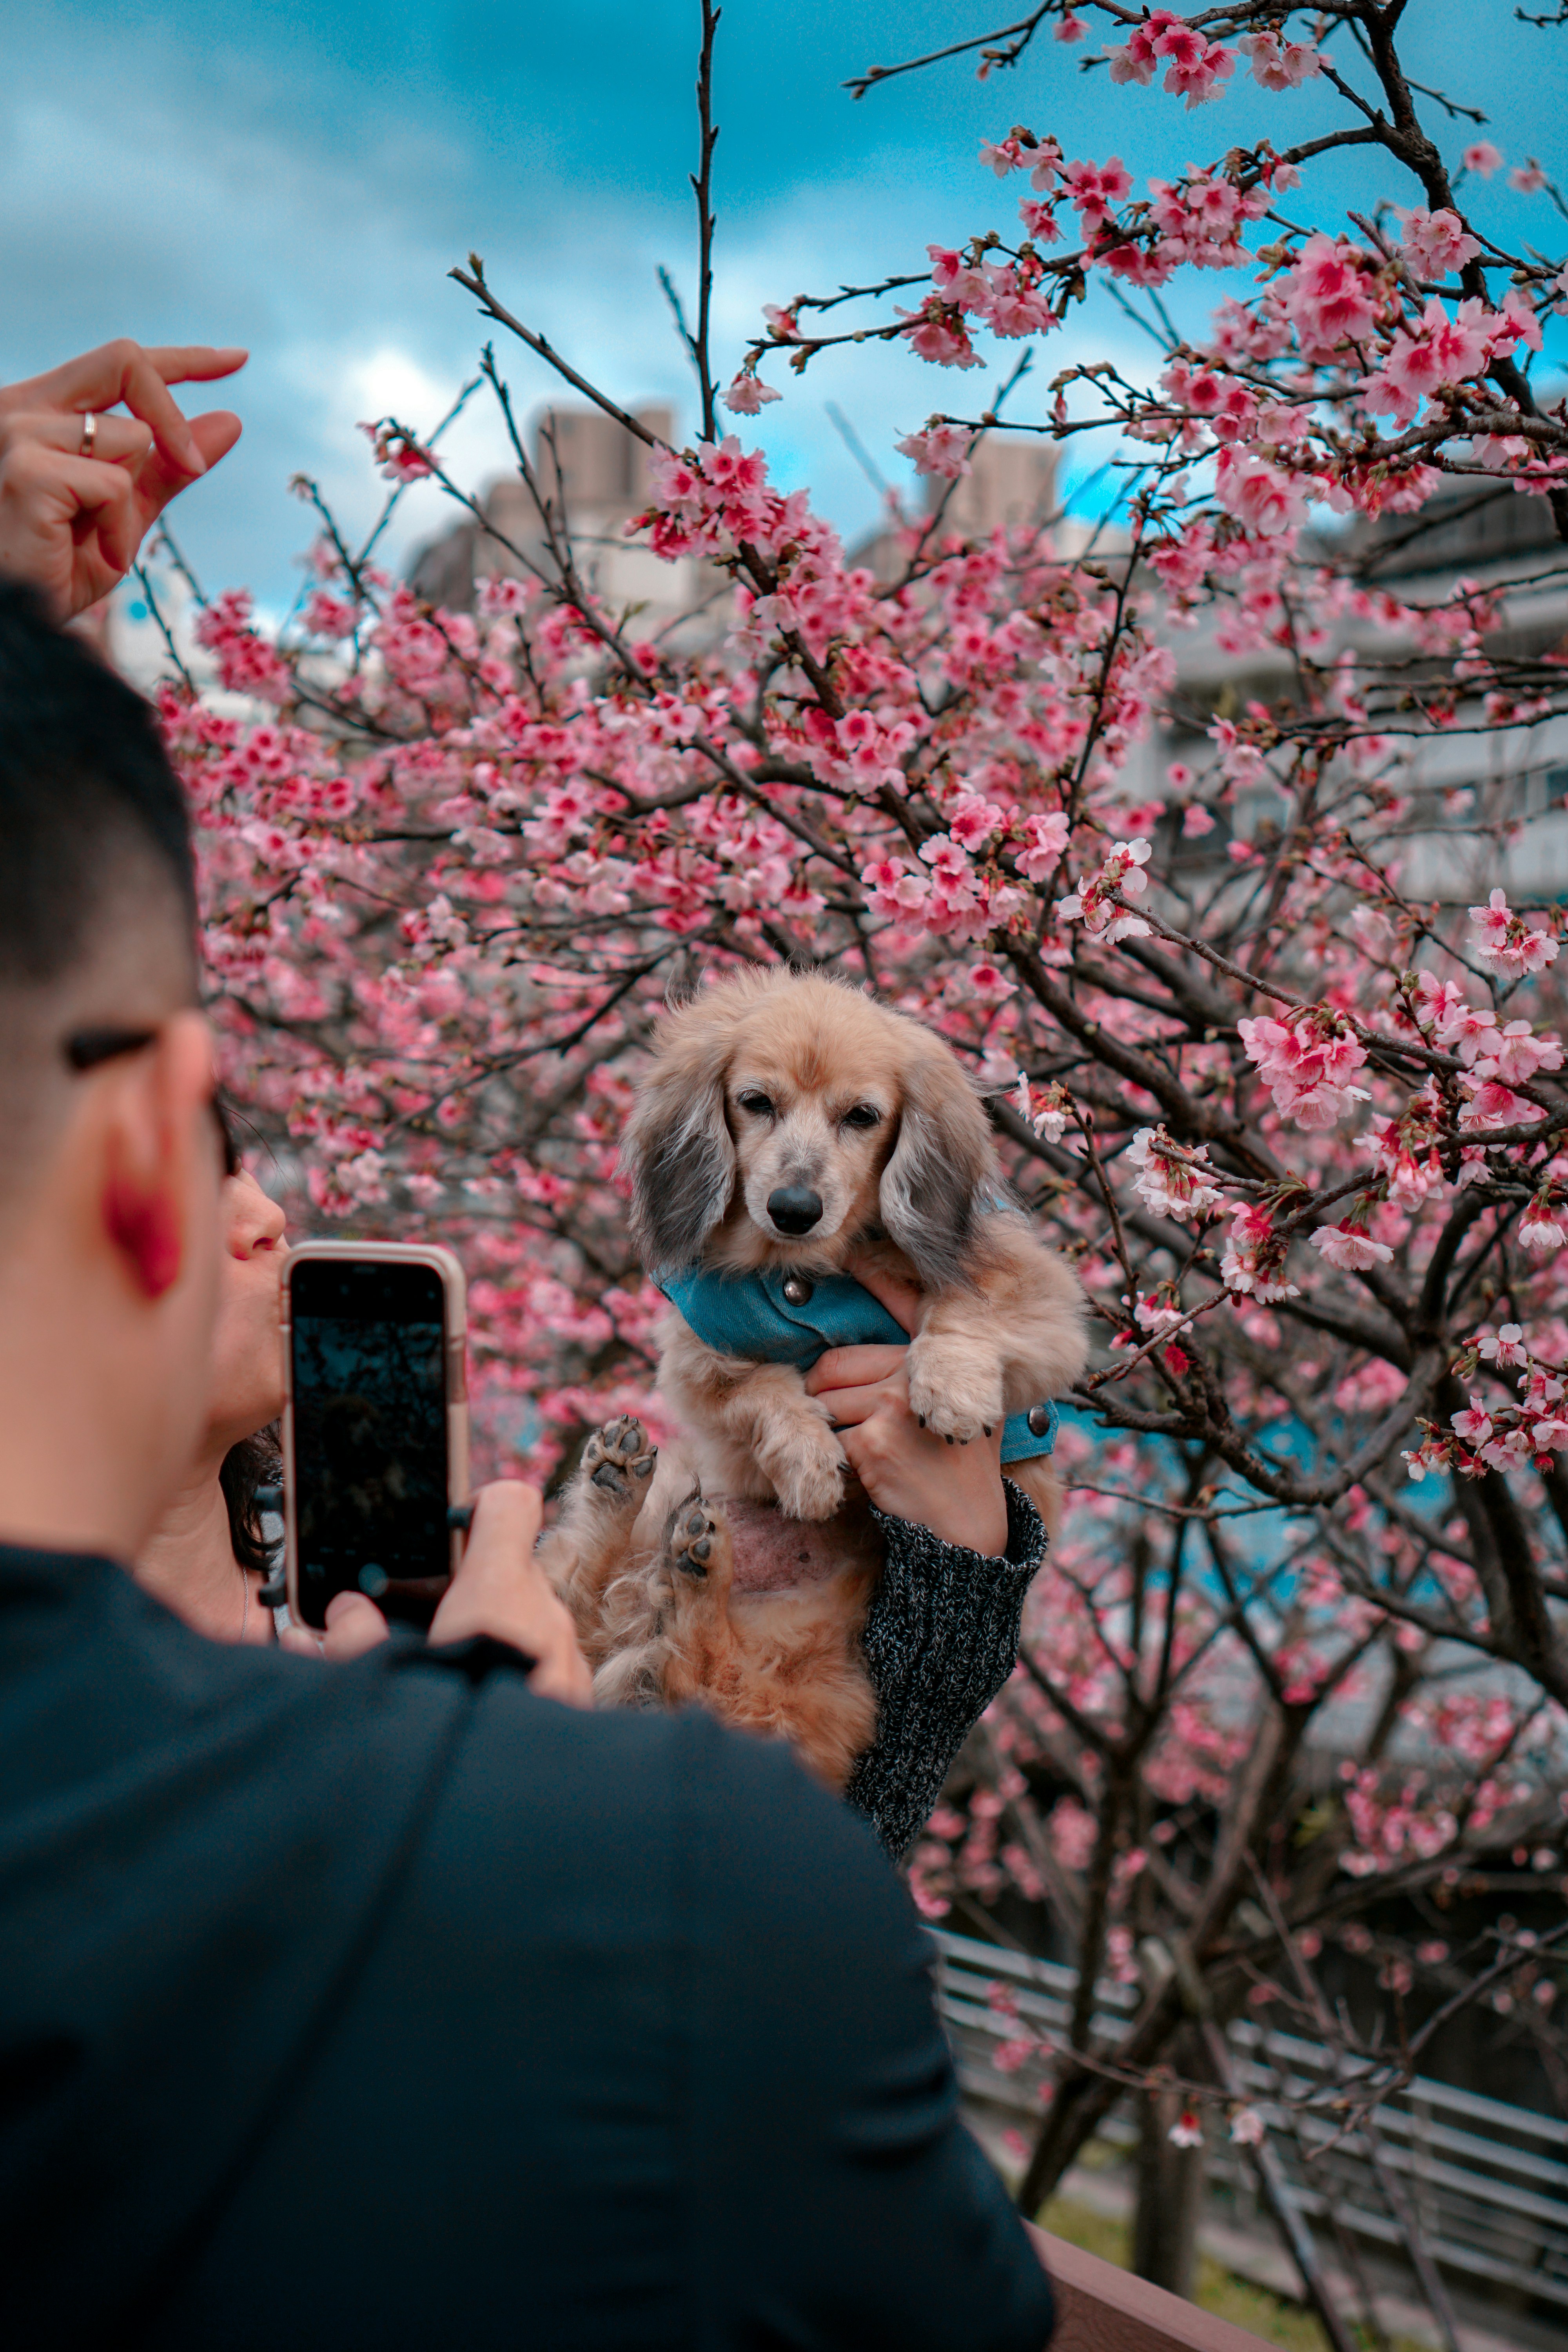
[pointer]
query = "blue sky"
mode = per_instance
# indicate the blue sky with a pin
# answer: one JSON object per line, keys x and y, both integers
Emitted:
{"x": 301, "y": 182}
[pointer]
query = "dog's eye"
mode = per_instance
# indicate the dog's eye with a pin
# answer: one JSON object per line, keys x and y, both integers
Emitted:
{"x": 863, "y": 1114}
{"x": 761, "y": 1104}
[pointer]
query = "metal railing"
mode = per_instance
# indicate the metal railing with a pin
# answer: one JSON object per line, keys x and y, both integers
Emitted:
{"x": 1485, "y": 2184}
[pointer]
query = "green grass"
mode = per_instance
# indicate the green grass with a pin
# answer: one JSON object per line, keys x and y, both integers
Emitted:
{"x": 1217, "y": 2289}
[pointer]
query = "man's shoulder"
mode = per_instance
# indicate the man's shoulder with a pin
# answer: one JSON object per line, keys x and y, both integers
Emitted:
{"x": 500, "y": 1788}
{"x": 734, "y": 1817}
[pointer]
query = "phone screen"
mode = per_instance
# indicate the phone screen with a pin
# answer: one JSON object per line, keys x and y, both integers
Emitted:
{"x": 367, "y": 1344}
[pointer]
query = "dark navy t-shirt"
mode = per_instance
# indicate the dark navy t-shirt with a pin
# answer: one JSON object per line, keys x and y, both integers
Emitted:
{"x": 387, "y": 2005}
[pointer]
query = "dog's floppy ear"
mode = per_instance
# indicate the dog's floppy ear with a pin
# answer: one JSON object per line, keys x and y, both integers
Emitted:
{"x": 942, "y": 1168}
{"x": 678, "y": 1154}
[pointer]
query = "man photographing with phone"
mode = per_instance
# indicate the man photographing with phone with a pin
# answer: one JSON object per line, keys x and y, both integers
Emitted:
{"x": 396, "y": 2005}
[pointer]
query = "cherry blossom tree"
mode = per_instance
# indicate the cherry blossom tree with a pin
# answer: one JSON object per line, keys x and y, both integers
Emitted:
{"x": 1297, "y": 1117}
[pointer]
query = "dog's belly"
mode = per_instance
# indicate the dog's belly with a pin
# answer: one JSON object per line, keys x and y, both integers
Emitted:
{"x": 773, "y": 1554}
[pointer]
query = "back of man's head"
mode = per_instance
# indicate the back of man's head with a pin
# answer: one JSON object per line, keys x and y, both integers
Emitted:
{"x": 97, "y": 893}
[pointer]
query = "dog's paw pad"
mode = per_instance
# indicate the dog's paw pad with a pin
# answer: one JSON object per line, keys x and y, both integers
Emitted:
{"x": 697, "y": 1546}
{"x": 618, "y": 1458}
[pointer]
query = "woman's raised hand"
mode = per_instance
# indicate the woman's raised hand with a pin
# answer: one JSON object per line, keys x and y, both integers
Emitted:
{"x": 77, "y": 500}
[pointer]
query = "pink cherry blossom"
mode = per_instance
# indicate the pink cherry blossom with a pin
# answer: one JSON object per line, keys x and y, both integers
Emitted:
{"x": 1092, "y": 905}
{"x": 1504, "y": 1345}
{"x": 1540, "y": 1229}
{"x": 1516, "y": 1053}
{"x": 937, "y": 331}
{"x": 1482, "y": 157}
{"x": 989, "y": 983}
{"x": 747, "y": 393}
{"x": 1517, "y": 322}
{"x": 940, "y": 449}
{"x": 1254, "y": 1260}
{"x": 1330, "y": 295}
{"x": 1196, "y": 65}
{"x": 1261, "y": 495}
{"x": 1469, "y": 1030}
{"x": 1507, "y": 940}
{"x": 1308, "y": 1063}
{"x": 247, "y": 663}
{"x": 1002, "y": 156}
{"x": 1435, "y": 244}
{"x": 1169, "y": 1181}
{"x": 971, "y": 819}
{"x": 893, "y": 889}
{"x": 1137, "y": 61}
{"x": 398, "y": 457}
{"x": 1348, "y": 1248}
{"x": 1277, "y": 65}
{"x": 1045, "y": 1110}
{"x": 1096, "y": 190}
{"x": 1046, "y": 839}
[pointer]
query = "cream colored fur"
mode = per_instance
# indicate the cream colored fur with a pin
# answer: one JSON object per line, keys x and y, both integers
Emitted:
{"x": 769, "y": 1079}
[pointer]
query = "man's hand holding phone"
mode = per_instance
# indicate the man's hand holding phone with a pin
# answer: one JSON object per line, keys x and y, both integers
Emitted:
{"x": 499, "y": 1590}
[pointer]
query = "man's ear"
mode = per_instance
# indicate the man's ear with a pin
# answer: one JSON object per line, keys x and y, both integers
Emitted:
{"x": 161, "y": 1165}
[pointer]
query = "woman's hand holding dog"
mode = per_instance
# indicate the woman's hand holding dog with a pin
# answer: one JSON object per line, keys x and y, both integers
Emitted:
{"x": 910, "y": 1472}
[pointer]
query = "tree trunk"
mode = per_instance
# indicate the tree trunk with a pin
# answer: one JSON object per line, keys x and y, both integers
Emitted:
{"x": 1169, "y": 2195}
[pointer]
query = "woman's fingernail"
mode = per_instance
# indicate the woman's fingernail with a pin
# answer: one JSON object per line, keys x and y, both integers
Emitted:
{"x": 195, "y": 463}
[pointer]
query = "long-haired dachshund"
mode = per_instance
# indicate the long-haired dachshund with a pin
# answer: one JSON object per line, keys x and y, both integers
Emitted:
{"x": 787, "y": 1122}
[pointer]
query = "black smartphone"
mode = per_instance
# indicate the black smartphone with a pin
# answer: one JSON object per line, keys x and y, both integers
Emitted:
{"x": 375, "y": 1426}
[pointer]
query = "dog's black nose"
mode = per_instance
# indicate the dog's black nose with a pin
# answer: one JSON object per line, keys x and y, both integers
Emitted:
{"x": 795, "y": 1207}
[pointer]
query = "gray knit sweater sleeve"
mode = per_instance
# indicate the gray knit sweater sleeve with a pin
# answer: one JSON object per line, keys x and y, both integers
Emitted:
{"x": 941, "y": 1639}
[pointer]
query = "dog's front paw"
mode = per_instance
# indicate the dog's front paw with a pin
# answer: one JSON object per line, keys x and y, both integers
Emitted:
{"x": 618, "y": 1460}
{"x": 814, "y": 1490}
{"x": 955, "y": 1387}
{"x": 806, "y": 1471}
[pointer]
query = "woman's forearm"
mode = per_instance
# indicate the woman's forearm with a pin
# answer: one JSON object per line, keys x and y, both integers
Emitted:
{"x": 941, "y": 1639}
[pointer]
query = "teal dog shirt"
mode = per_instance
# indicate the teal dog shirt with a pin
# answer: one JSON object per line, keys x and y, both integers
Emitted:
{"x": 748, "y": 1315}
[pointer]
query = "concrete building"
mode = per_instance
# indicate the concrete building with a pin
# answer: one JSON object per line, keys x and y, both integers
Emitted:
{"x": 1011, "y": 483}
{"x": 595, "y": 475}
{"x": 1480, "y": 808}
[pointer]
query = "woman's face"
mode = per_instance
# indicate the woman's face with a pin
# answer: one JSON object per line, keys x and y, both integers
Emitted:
{"x": 248, "y": 1361}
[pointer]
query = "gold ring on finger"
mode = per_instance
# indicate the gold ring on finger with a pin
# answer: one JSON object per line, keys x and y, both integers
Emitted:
{"x": 89, "y": 434}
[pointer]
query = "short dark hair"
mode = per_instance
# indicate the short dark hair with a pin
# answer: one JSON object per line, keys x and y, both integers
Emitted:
{"x": 84, "y": 781}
